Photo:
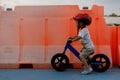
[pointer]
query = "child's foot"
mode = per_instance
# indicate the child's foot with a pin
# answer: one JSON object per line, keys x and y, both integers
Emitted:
{"x": 87, "y": 71}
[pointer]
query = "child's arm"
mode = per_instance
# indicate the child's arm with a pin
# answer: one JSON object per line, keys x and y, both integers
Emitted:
{"x": 76, "y": 38}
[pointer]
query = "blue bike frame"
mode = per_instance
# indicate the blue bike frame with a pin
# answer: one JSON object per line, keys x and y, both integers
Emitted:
{"x": 75, "y": 52}
{"x": 72, "y": 49}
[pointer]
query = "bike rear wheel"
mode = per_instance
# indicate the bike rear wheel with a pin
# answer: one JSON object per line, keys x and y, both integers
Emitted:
{"x": 100, "y": 63}
{"x": 60, "y": 62}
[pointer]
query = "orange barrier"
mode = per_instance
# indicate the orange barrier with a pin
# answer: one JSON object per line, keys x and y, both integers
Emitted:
{"x": 118, "y": 46}
{"x": 9, "y": 41}
{"x": 36, "y": 33}
{"x": 114, "y": 44}
{"x": 32, "y": 40}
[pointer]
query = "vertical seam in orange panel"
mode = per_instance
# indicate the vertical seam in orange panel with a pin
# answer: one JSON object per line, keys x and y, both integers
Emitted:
{"x": 46, "y": 39}
{"x": 20, "y": 39}
{"x": 97, "y": 37}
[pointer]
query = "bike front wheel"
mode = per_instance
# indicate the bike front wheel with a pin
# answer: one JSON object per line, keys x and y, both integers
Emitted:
{"x": 60, "y": 62}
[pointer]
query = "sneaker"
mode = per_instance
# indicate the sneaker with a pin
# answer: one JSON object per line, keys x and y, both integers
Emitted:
{"x": 87, "y": 71}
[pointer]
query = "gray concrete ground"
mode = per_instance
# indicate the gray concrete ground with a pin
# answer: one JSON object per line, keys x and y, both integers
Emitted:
{"x": 70, "y": 74}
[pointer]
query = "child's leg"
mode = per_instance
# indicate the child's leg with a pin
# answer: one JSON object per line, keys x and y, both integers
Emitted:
{"x": 84, "y": 61}
{"x": 83, "y": 57}
{"x": 84, "y": 54}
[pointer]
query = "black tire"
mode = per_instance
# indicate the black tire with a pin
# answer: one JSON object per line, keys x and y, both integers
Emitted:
{"x": 60, "y": 62}
{"x": 103, "y": 60}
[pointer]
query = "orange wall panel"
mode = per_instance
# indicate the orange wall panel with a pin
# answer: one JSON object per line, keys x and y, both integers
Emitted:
{"x": 32, "y": 31}
{"x": 32, "y": 54}
{"x": 118, "y": 46}
{"x": 32, "y": 40}
{"x": 9, "y": 39}
{"x": 57, "y": 31}
{"x": 9, "y": 29}
{"x": 114, "y": 44}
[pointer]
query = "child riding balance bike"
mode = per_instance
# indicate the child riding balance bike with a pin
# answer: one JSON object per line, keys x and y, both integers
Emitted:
{"x": 99, "y": 62}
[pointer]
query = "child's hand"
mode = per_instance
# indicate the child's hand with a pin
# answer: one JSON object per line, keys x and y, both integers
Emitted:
{"x": 69, "y": 40}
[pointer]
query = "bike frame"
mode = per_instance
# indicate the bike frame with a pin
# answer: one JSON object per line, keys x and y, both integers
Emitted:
{"x": 72, "y": 49}
{"x": 75, "y": 52}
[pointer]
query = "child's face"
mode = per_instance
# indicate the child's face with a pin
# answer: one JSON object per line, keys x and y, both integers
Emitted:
{"x": 80, "y": 24}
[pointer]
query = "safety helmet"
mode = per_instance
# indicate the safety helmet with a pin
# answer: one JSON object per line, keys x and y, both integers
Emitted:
{"x": 83, "y": 17}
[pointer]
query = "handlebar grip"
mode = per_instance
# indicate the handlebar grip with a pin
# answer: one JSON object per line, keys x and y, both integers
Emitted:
{"x": 69, "y": 41}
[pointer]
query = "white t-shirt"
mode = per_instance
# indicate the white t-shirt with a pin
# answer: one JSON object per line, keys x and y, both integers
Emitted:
{"x": 84, "y": 34}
